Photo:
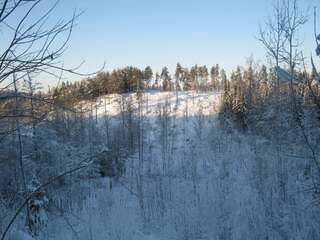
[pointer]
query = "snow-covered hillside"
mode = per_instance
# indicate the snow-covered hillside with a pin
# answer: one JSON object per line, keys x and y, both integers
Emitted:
{"x": 177, "y": 102}
{"x": 186, "y": 178}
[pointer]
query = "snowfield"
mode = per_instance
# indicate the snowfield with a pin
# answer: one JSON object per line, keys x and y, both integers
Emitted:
{"x": 177, "y": 102}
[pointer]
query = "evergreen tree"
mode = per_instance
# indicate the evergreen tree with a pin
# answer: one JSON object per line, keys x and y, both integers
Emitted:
{"x": 262, "y": 79}
{"x": 156, "y": 81}
{"x": 225, "y": 84}
{"x": 237, "y": 85}
{"x": 214, "y": 74}
{"x": 147, "y": 76}
{"x": 166, "y": 79}
{"x": 178, "y": 76}
{"x": 249, "y": 80}
{"x": 194, "y": 77}
{"x": 203, "y": 77}
{"x": 187, "y": 81}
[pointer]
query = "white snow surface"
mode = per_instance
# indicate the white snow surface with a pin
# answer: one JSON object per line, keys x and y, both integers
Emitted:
{"x": 207, "y": 102}
{"x": 191, "y": 180}
{"x": 19, "y": 235}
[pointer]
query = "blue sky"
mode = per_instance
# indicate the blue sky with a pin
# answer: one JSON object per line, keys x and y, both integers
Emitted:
{"x": 164, "y": 32}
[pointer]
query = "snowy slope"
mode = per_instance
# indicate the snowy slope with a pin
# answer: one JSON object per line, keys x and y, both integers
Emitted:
{"x": 186, "y": 178}
{"x": 208, "y": 102}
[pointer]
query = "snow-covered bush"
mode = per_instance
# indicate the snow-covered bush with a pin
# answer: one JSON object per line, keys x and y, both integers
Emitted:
{"x": 37, "y": 217}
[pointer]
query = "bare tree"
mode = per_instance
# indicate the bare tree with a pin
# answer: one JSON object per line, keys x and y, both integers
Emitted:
{"x": 272, "y": 35}
{"x": 294, "y": 20}
{"x": 314, "y": 69}
{"x": 30, "y": 46}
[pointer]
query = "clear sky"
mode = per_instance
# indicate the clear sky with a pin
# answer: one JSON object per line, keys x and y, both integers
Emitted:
{"x": 163, "y": 32}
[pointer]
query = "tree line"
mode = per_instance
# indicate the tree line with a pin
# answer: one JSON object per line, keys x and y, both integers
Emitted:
{"x": 133, "y": 79}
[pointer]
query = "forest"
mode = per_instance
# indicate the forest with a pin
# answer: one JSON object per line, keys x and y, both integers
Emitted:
{"x": 195, "y": 153}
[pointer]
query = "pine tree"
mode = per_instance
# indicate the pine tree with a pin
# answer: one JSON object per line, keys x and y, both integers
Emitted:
{"x": 237, "y": 85}
{"x": 263, "y": 81}
{"x": 178, "y": 77}
{"x": 214, "y": 74}
{"x": 249, "y": 80}
{"x": 203, "y": 75}
{"x": 156, "y": 81}
{"x": 225, "y": 84}
{"x": 166, "y": 79}
{"x": 186, "y": 79}
{"x": 194, "y": 77}
{"x": 147, "y": 76}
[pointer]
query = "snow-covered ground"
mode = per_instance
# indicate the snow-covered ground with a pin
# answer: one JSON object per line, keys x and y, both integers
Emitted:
{"x": 179, "y": 102}
{"x": 189, "y": 179}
